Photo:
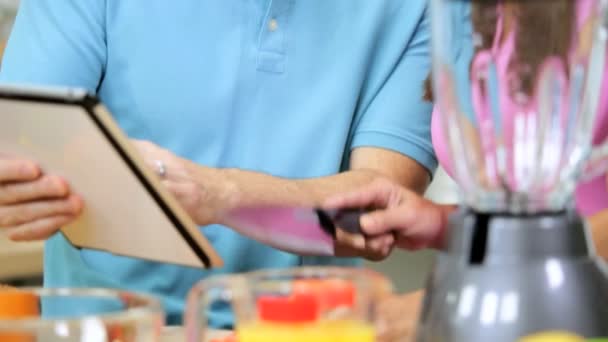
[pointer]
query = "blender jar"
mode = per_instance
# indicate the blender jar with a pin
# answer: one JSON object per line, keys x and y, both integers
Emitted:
{"x": 516, "y": 85}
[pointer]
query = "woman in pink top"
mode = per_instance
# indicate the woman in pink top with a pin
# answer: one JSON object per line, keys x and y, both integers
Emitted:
{"x": 421, "y": 223}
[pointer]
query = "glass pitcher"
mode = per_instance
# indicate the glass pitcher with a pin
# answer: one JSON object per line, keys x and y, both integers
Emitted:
{"x": 78, "y": 315}
{"x": 302, "y": 304}
{"x": 517, "y": 85}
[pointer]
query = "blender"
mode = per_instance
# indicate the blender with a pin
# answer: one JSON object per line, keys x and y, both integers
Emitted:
{"x": 517, "y": 85}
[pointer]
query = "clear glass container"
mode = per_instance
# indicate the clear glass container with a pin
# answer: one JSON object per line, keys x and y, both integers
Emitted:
{"x": 302, "y": 304}
{"x": 79, "y": 315}
{"x": 516, "y": 85}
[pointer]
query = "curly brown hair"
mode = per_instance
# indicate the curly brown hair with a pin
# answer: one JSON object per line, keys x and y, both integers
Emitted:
{"x": 553, "y": 22}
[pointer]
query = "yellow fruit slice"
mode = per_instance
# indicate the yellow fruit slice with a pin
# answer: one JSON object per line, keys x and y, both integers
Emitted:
{"x": 553, "y": 336}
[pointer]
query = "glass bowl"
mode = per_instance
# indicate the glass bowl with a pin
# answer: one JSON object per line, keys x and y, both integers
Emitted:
{"x": 83, "y": 315}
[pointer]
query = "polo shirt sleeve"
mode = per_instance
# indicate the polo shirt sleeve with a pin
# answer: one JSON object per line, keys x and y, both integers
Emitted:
{"x": 57, "y": 43}
{"x": 393, "y": 113}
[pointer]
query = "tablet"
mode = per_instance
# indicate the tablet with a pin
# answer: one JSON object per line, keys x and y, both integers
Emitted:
{"x": 127, "y": 210}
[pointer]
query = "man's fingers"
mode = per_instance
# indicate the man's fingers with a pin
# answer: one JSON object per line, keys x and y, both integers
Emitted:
{"x": 19, "y": 214}
{"x": 39, "y": 229}
{"x": 16, "y": 170}
{"x": 44, "y": 187}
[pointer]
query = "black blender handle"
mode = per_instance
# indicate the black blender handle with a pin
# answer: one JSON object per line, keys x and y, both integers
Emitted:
{"x": 347, "y": 219}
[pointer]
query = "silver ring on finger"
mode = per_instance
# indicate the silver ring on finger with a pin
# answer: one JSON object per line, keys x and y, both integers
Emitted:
{"x": 161, "y": 169}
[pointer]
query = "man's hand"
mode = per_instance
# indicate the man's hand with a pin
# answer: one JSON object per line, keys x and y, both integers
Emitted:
{"x": 33, "y": 205}
{"x": 416, "y": 222}
{"x": 206, "y": 193}
{"x": 203, "y": 196}
{"x": 199, "y": 199}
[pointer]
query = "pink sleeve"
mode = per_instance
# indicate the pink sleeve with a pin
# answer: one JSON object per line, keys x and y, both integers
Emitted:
{"x": 592, "y": 197}
{"x": 584, "y": 11}
{"x": 439, "y": 142}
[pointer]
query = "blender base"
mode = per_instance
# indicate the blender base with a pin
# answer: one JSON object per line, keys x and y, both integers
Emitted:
{"x": 503, "y": 277}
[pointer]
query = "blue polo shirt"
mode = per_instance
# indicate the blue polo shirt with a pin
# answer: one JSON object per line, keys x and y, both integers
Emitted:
{"x": 284, "y": 87}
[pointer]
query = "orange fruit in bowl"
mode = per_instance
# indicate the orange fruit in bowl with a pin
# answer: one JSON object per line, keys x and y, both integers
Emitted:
{"x": 17, "y": 304}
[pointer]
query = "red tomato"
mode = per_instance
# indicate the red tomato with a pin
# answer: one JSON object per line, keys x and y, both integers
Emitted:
{"x": 331, "y": 293}
{"x": 296, "y": 308}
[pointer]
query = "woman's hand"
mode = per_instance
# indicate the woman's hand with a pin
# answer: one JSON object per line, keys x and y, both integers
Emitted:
{"x": 373, "y": 248}
{"x": 33, "y": 205}
{"x": 416, "y": 222}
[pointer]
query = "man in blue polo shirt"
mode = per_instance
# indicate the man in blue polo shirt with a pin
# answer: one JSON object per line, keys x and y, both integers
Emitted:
{"x": 264, "y": 101}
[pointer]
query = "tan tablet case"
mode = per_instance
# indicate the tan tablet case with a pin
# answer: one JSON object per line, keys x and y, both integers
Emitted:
{"x": 127, "y": 210}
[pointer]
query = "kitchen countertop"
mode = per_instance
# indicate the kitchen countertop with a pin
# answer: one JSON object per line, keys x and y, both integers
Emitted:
{"x": 176, "y": 334}
{"x": 20, "y": 260}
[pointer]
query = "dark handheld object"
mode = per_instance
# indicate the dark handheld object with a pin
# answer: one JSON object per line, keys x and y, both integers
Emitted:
{"x": 346, "y": 219}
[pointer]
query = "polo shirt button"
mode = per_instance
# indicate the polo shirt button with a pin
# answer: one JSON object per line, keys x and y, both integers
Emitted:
{"x": 273, "y": 25}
